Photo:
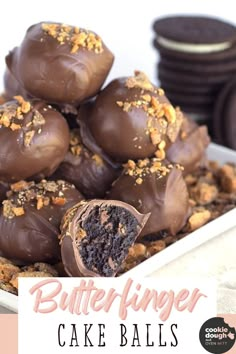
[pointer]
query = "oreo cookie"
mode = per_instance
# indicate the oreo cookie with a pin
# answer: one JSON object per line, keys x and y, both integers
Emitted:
{"x": 191, "y": 99}
{"x": 224, "y": 123}
{"x": 192, "y": 89}
{"x": 195, "y": 37}
{"x": 177, "y": 76}
{"x": 199, "y": 68}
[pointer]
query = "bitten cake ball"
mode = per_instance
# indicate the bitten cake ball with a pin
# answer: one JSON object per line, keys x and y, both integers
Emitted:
{"x": 87, "y": 171}
{"x": 30, "y": 219}
{"x": 131, "y": 118}
{"x": 156, "y": 188}
{"x": 60, "y": 63}
{"x": 189, "y": 149}
{"x": 96, "y": 236}
{"x": 34, "y": 140}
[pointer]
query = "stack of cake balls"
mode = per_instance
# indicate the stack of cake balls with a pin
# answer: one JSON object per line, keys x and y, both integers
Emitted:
{"x": 86, "y": 171}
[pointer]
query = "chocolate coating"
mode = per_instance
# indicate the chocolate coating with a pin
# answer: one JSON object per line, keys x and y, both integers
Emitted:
{"x": 87, "y": 171}
{"x": 30, "y": 219}
{"x": 51, "y": 66}
{"x": 96, "y": 236}
{"x": 33, "y": 143}
{"x": 12, "y": 87}
{"x": 160, "y": 190}
{"x": 128, "y": 119}
{"x": 189, "y": 149}
{"x": 4, "y": 187}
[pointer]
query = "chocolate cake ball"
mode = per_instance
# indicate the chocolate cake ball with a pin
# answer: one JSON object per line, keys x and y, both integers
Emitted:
{"x": 87, "y": 171}
{"x": 34, "y": 140}
{"x": 60, "y": 63}
{"x": 96, "y": 236}
{"x": 189, "y": 149}
{"x": 30, "y": 219}
{"x": 154, "y": 187}
{"x": 12, "y": 87}
{"x": 131, "y": 119}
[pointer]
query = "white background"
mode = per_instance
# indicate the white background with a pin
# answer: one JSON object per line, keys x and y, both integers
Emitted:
{"x": 124, "y": 25}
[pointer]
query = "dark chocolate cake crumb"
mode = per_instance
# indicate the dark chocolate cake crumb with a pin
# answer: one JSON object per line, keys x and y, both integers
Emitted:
{"x": 110, "y": 232}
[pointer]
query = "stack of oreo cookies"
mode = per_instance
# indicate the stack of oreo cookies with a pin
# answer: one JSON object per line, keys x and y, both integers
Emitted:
{"x": 197, "y": 59}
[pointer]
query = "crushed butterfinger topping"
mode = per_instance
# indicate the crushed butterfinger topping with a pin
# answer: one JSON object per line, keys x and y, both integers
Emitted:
{"x": 139, "y": 180}
{"x": 38, "y": 119}
{"x": 18, "y": 211}
{"x": 228, "y": 178}
{"x": 25, "y": 106}
{"x": 40, "y": 195}
{"x": 58, "y": 201}
{"x": 15, "y": 126}
{"x": 28, "y": 137}
{"x": 160, "y": 154}
{"x": 12, "y": 116}
{"x": 199, "y": 219}
{"x": 26, "y": 274}
{"x": 20, "y": 186}
{"x": 39, "y": 202}
{"x": 99, "y": 161}
{"x": 75, "y": 142}
{"x": 77, "y": 148}
{"x": 9, "y": 273}
{"x": 8, "y": 209}
{"x": 11, "y": 113}
{"x": 77, "y": 38}
{"x": 139, "y": 80}
{"x": 7, "y": 270}
{"x": 204, "y": 193}
{"x": 145, "y": 167}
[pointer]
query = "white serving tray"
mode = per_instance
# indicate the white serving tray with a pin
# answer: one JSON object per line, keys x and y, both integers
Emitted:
{"x": 205, "y": 233}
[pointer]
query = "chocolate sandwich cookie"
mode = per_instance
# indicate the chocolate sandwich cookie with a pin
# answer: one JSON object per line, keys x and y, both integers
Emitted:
{"x": 60, "y": 63}
{"x": 30, "y": 219}
{"x": 190, "y": 99}
{"x": 34, "y": 140}
{"x": 199, "y": 68}
{"x": 189, "y": 149}
{"x": 224, "y": 123}
{"x": 130, "y": 118}
{"x": 225, "y": 55}
{"x": 86, "y": 170}
{"x": 96, "y": 237}
{"x": 195, "y": 38}
{"x": 190, "y": 89}
{"x": 156, "y": 188}
{"x": 166, "y": 74}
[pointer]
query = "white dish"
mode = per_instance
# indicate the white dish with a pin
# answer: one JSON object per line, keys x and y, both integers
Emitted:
{"x": 193, "y": 240}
